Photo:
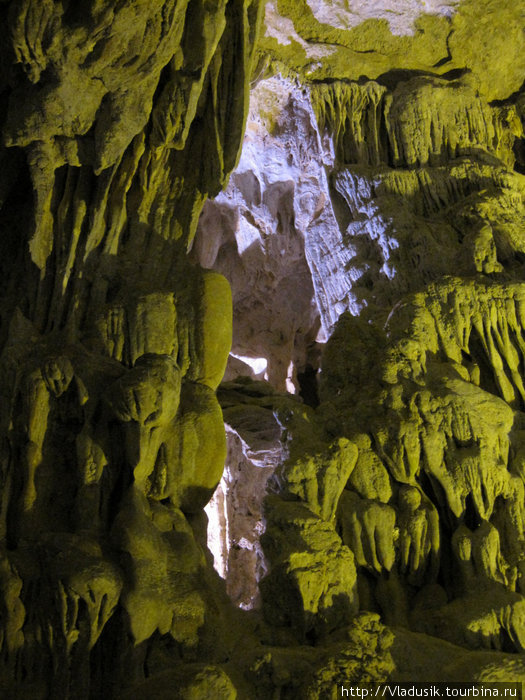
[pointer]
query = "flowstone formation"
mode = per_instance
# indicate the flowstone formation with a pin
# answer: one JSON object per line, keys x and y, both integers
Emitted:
{"x": 395, "y": 178}
{"x": 427, "y": 379}
{"x": 118, "y": 120}
{"x": 370, "y": 527}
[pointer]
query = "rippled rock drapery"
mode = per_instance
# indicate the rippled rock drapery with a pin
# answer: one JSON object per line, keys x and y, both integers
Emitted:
{"x": 119, "y": 119}
{"x": 425, "y": 375}
{"x": 389, "y": 187}
{"x": 432, "y": 381}
{"x": 417, "y": 442}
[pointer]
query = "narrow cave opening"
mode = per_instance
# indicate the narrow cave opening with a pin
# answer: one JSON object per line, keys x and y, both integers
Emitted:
{"x": 236, "y": 519}
{"x": 258, "y": 235}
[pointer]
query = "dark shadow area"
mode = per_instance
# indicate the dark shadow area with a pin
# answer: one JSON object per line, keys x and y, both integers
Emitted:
{"x": 393, "y": 77}
{"x": 308, "y": 390}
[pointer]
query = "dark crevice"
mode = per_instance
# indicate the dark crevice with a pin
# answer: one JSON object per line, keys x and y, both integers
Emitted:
{"x": 446, "y": 59}
{"x": 477, "y": 351}
{"x": 455, "y": 74}
{"x": 511, "y": 99}
{"x": 519, "y": 153}
{"x": 308, "y": 390}
{"x": 442, "y": 62}
{"x": 16, "y": 218}
{"x": 471, "y": 517}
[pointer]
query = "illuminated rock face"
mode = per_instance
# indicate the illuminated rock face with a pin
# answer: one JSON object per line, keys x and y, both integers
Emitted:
{"x": 113, "y": 344}
{"x": 235, "y": 513}
{"x": 400, "y": 14}
{"x": 274, "y": 235}
{"x": 426, "y": 379}
{"x": 378, "y": 206}
{"x": 407, "y": 475}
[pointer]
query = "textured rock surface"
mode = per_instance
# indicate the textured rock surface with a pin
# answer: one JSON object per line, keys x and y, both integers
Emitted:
{"x": 484, "y": 38}
{"x": 236, "y": 520}
{"x": 113, "y": 344}
{"x": 251, "y": 234}
{"x": 377, "y": 527}
{"x": 416, "y": 231}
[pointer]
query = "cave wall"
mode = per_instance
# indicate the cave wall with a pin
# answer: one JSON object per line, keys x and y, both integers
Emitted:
{"x": 374, "y": 521}
{"x": 402, "y": 493}
{"x": 119, "y": 119}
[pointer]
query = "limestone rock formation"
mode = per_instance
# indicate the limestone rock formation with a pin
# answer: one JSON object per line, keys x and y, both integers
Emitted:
{"x": 236, "y": 512}
{"x": 417, "y": 235}
{"x": 251, "y": 233}
{"x": 113, "y": 344}
{"x": 333, "y": 192}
